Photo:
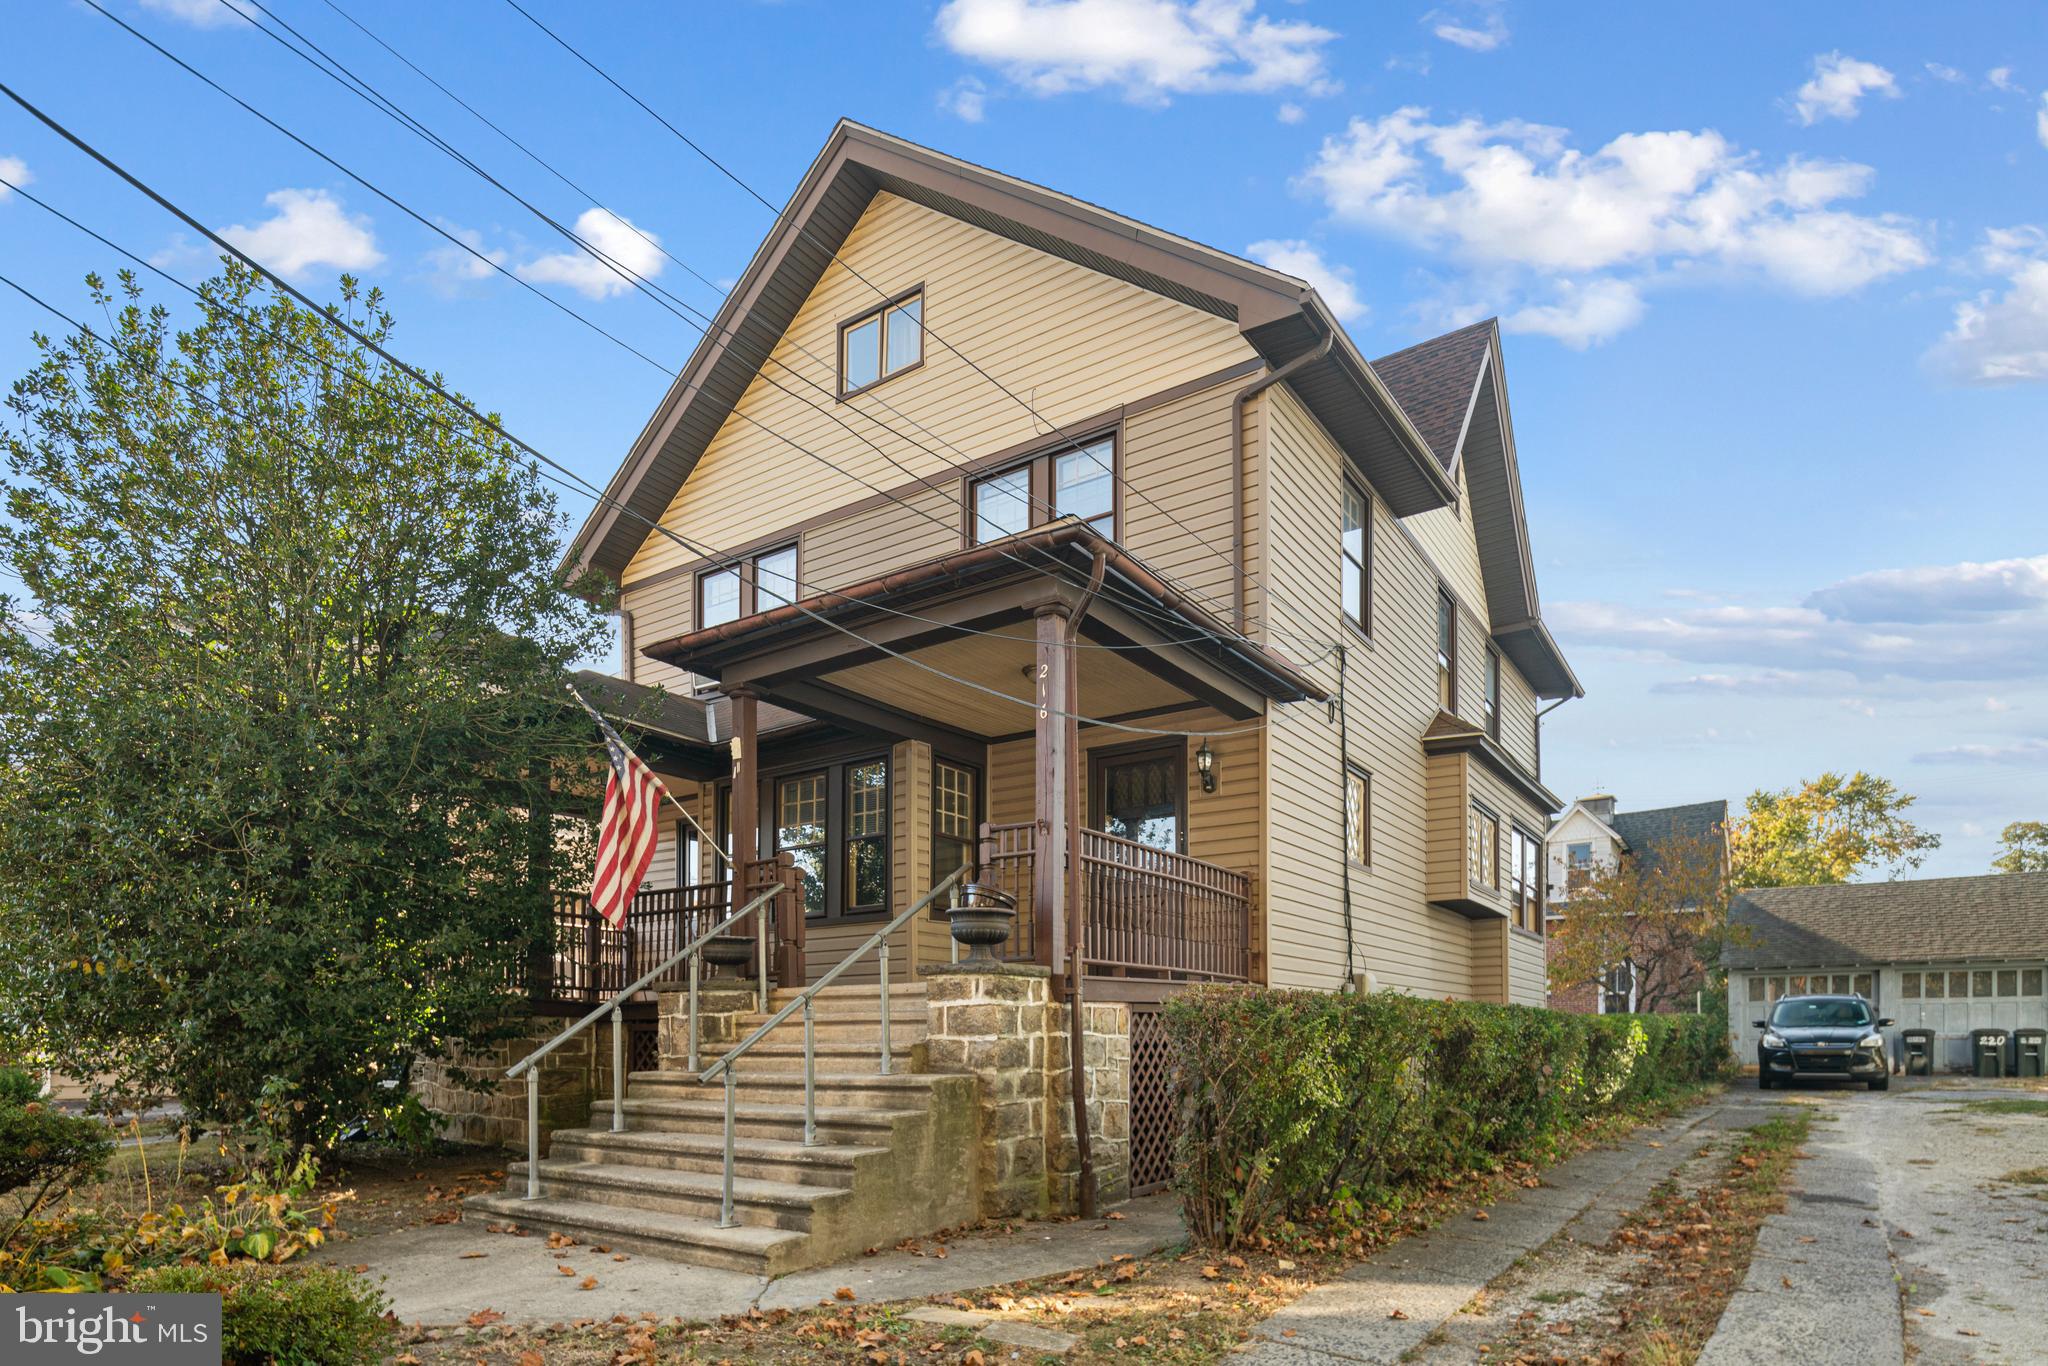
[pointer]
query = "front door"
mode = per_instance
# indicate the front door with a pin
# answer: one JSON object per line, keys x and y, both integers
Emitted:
{"x": 1140, "y": 794}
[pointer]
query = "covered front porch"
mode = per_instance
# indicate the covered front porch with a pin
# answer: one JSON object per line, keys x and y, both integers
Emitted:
{"x": 1043, "y": 710}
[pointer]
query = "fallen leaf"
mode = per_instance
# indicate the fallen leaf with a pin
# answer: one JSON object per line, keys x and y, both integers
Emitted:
{"x": 1397, "y": 1314}
{"x": 565, "y": 1270}
{"x": 1786, "y": 1281}
{"x": 1113, "y": 1215}
{"x": 844, "y": 1292}
{"x": 1480, "y": 1216}
{"x": 1655, "y": 1144}
{"x": 1925, "y": 1313}
{"x": 483, "y": 1318}
{"x": 1969, "y": 1332}
{"x": 588, "y": 1283}
{"x": 530, "y": 1357}
{"x": 618, "y": 1256}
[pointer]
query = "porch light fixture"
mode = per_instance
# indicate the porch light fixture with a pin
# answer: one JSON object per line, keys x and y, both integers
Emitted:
{"x": 1205, "y": 764}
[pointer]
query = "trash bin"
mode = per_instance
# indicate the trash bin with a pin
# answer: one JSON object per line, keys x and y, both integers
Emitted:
{"x": 2030, "y": 1052}
{"x": 1916, "y": 1051}
{"x": 1987, "y": 1052}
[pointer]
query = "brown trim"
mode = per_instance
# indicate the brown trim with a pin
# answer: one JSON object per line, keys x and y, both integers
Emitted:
{"x": 1141, "y": 714}
{"x": 1362, "y": 623}
{"x": 1107, "y": 756}
{"x": 1015, "y": 452}
{"x": 1492, "y": 679}
{"x": 1498, "y": 762}
{"x": 882, "y": 376}
{"x": 1042, "y": 502}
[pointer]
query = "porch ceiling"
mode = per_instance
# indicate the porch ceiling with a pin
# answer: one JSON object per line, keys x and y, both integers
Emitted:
{"x": 1112, "y": 683}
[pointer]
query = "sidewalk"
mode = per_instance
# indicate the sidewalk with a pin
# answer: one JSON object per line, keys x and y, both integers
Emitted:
{"x": 1388, "y": 1306}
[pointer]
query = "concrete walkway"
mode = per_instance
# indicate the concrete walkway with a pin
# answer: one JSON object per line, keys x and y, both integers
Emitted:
{"x": 1388, "y": 1306}
{"x": 435, "y": 1276}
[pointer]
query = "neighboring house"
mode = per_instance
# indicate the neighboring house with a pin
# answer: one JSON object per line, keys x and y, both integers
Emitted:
{"x": 1592, "y": 836}
{"x": 1132, "y": 568}
{"x": 1950, "y": 954}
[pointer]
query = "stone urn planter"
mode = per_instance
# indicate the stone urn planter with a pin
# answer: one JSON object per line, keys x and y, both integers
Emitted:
{"x": 982, "y": 918}
{"x": 733, "y": 951}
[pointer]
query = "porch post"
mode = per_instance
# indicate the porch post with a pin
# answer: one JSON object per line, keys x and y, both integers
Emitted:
{"x": 1054, "y": 772}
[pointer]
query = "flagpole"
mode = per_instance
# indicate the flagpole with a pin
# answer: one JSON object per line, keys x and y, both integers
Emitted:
{"x": 681, "y": 810}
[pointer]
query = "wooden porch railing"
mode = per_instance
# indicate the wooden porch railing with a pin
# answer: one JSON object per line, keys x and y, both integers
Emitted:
{"x": 1147, "y": 912}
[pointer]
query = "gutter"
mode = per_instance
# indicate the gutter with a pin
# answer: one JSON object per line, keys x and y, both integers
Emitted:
{"x": 1237, "y": 472}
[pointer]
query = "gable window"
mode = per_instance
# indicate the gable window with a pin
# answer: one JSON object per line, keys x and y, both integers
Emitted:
{"x": 1074, "y": 481}
{"x": 761, "y": 581}
{"x": 834, "y": 823}
{"x": 1357, "y": 815}
{"x": 1484, "y": 833}
{"x": 1446, "y": 651}
{"x": 1523, "y": 885}
{"x": 882, "y": 342}
{"x": 1578, "y": 860}
{"x": 955, "y": 788}
{"x": 1355, "y": 555}
{"x": 1490, "y": 702}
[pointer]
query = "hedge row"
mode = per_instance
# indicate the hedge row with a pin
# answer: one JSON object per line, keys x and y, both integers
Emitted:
{"x": 1297, "y": 1107}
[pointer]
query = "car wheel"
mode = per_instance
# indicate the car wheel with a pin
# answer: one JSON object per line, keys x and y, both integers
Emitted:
{"x": 1881, "y": 1084}
{"x": 1763, "y": 1080}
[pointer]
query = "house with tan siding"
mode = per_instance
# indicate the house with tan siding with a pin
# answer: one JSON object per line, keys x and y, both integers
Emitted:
{"x": 992, "y": 530}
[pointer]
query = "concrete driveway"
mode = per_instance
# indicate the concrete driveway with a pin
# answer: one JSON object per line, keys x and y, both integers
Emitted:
{"x": 1938, "y": 1189}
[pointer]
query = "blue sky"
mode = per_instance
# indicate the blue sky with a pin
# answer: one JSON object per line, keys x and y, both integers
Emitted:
{"x": 1775, "y": 280}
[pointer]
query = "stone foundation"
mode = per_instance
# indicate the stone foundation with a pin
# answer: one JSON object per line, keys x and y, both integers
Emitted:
{"x": 996, "y": 1022}
{"x": 571, "y": 1078}
{"x": 719, "y": 1014}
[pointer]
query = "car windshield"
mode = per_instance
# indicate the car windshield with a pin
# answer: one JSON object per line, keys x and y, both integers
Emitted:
{"x": 1820, "y": 1013}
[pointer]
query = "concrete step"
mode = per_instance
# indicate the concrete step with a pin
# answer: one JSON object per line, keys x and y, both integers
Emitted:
{"x": 778, "y": 1053}
{"x": 706, "y": 1115}
{"x": 899, "y": 989}
{"x": 697, "y": 1195}
{"x": 756, "y": 1250}
{"x": 849, "y": 1088}
{"x": 826, "y": 1164}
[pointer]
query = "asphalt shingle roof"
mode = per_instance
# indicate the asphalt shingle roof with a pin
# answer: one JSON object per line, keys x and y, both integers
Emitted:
{"x": 1649, "y": 831}
{"x": 1433, "y": 381}
{"x": 1939, "y": 919}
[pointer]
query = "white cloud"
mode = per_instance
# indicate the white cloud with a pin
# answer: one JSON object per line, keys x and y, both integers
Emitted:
{"x": 966, "y": 99}
{"x": 635, "y": 250}
{"x": 310, "y": 228}
{"x": 1475, "y": 25}
{"x": 1290, "y": 112}
{"x": 2041, "y": 120}
{"x": 1583, "y": 315}
{"x": 2001, "y": 337}
{"x": 2000, "y": 78}
{"x": 1997, "y": 704}
{"x": 1943, "y": 72}
{"x": 16, "y": 170}
{"x": 1518, "y": 198}
{"x": 1838, "y": 86}
{"x": 198, "y": 13}
{"x": 2028, "y": 751}
{"x": 1956, "y": 623}
{"x": 1149, "y": 50}
{"x": 1302, "y": 259}
{"x": 449, "y": 267}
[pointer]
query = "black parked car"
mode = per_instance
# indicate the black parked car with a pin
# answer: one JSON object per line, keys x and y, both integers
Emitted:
{"x": 1813, "y": 1037}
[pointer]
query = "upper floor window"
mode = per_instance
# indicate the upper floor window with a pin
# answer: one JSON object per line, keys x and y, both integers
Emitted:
{"x": 757, "y": 583}
{"x": 1355, "y": 554}
{"x": 1490, "y": 703}
{"x": 1524, "y": 887}
{"x": 1446, "y": 650}
{"x": 882, "y": 342}
{"x": 1077, "y": 481}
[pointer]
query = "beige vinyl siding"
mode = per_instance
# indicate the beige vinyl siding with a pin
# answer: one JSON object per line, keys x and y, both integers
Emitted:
{"x": 1446, "y": 536}
{"x": 1490, "y": 969}
{"x": 660, "y": 612}
{"x": 1496, "y": 796}
{"x": 1528, "y": 982}
{"x": 1389, "y": 697}
{"x": 1517, "y": 716}
{"x": 1072, "y": 342}
{"x": 872, "y": 542}
{"x": 1178, "y": 456}
{"x": 1449, "y": 802}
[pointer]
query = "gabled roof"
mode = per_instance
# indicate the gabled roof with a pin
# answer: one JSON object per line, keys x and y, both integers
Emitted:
{"x": 1996, "y": 916}
{"x": 1580, "y": 808}
{"x": 1279, "y": 315}
{"x": 1648, "y": 832}
{"x": 1448, "y": 734}
{"x": 1455, "y": 389}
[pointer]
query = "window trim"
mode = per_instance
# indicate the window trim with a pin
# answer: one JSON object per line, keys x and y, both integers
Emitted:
{"x": 880, "y": 310}
{"x": 1041, "y": 500}
{"x": 1358, "y": 613}
{"x": 746, "y": 567}
{"x": 975, "y": 790}
{"x": 835, "y": 772}
{"x": 1529, "y": 906}
{"x": 1490, "y": 691}
{"x": 1481, "y": 813}
{"x": 1364, "y": 777}
{"x": 1102, "y": 759}
{"x": 887, "y": 839}
{"x": 1447, "y": 647}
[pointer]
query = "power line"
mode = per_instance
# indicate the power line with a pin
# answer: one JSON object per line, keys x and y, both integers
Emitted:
{"x": 490, "y": 424}
{"x": 406, "y": 120}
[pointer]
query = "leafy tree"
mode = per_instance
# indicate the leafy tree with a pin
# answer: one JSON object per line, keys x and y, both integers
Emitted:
{"x": 1827, "y": 830}
{"x": 1665, "y": 912}
{"x": 2025, "y": 845}
{"x": 281, "y": 721}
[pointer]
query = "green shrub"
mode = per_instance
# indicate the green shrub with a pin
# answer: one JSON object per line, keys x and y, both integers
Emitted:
{"x": 45, "y": 1152}
{"x": 1300, "y": 1106}
{"x": 293, "y": 1316}
{"x": 19, "y": 1086}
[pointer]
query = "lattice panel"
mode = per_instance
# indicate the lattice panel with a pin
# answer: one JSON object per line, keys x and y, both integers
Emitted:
{"x": 643, "y": 1047}
{"x": 1153, "y": 1123}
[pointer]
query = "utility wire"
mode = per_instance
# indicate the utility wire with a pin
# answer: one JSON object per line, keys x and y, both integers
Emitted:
{"x": 1137, "y": 607}
{"x": 490, "y": 424}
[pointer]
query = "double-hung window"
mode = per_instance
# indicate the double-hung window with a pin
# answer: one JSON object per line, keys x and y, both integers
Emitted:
{"x": 834, "y": 823}
{"x": 1446, "y": 651}
{"x": 1490, "y": 701}
{"x": 755, "y": 584}
{"x": 955, "y": 788}
{"x": 1355, "y": 557}
{"x": 1077, "y": 480}
{"x": 882, "y": 342}
{"x": 1523, "y": 886}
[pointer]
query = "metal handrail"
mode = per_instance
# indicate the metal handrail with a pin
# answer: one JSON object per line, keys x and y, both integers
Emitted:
{"x": 803, "y": 1001}
{"x": 612, "y": 1007}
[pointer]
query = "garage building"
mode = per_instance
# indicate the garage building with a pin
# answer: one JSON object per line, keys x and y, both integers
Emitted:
{"x": 1949, "y": 954}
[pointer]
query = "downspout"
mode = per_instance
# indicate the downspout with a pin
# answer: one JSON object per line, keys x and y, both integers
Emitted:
{"x": 1539, "y": 731}
{"x": 1237, "y": 496}
{"x": 626, "y": 660}
{"x": 1077, "y": 921}
{"x": 1343, "y": 818}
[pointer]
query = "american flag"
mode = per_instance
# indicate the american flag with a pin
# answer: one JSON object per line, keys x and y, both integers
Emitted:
{"x": 626, "y": 832}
